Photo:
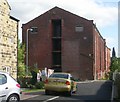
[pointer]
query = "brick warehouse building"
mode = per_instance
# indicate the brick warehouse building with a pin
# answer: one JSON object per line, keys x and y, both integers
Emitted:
{"x": 66, "y": 42}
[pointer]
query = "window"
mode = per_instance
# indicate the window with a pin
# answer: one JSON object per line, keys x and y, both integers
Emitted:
{"x": 34, "y": 30}
{"x": 56, "y": 58}
{"x": 56, "y": 42}
{"x": 3, "y": 79}
{"x": 59, "y": 76}
{"x": 78, "y": 28}
{"x": 56, "y": 28}
{"x": 57, "y": 45}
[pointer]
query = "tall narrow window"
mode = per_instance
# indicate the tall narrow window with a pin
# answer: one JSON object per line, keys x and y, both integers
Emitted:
{"x": 56, "y": 28}
{"x": 56, "y": 43}
{"x": 57, "y": 59}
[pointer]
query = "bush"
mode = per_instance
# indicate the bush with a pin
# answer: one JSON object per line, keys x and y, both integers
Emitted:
{"x": 39, "y": 85}
{"x": 110, "y": 75}
{"x": 31, "y": 86}
{"x": 34, "y": 78}
{"x": 24, "y": 81}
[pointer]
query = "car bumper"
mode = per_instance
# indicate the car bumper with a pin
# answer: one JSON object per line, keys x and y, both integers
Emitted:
{"x": 58, "y": 88}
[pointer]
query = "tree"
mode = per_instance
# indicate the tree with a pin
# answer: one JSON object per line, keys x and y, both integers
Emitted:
{"x": 21, "y": 56}
{"x": 113, "y": 53}
{"x": 114, "y": 64}
{"x": 119, "y": 64}
{"x": 114, "y": 61}
{"x": 31, "y": 77}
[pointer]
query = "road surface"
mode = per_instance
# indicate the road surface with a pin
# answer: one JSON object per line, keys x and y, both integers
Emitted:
{"x": 92, "y": 91}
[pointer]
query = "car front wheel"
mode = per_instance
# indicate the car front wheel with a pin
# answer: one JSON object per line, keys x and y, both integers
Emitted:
{"x": 13, "y": 98}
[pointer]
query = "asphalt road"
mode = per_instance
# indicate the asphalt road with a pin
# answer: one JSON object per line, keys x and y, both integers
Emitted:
{"x": 93, "y": 91}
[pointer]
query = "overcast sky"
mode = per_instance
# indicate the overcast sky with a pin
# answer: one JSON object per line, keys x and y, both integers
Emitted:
{"x": 103, "y": 12}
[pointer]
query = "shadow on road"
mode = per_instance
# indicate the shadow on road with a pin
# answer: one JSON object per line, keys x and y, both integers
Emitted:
{"x": 103, "y": 94}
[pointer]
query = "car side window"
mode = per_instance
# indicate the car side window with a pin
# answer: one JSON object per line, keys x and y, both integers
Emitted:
{"x": 71, "y": 78}
{"x": 3, "y": 79}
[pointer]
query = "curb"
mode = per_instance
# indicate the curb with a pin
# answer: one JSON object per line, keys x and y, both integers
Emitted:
{"x": 27, "y": 95}
{"x": 114, "y": 94}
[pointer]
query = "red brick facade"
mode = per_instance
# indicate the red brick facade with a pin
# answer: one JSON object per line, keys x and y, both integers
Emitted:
{"x": 108, "y": 61}
{"x": 82, "y": 50}
{"x": 100, "y": 54}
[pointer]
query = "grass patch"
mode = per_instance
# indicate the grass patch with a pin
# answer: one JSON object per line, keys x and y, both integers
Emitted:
{"x": 32, "y": 90}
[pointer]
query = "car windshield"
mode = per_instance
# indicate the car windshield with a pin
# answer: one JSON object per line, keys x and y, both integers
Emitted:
{"x": 59, "y": 76}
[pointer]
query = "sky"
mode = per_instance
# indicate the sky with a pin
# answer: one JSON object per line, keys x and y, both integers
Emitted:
{"x": 104, "y": 13}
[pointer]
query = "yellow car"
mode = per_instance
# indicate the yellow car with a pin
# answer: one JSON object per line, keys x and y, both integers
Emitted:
{"x": 60, "y": 82}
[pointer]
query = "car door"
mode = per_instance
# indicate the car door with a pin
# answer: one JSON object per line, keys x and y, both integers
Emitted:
{"x": 3, "y": 88}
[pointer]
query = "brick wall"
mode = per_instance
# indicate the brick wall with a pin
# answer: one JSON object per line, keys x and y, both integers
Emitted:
{"x": 79, "y": 50}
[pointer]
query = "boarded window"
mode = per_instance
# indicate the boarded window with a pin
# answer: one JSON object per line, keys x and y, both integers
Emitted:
{"x": 78, "y": 28}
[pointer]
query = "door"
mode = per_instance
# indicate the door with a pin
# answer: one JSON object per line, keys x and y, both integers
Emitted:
{"x": 3, "y": 88}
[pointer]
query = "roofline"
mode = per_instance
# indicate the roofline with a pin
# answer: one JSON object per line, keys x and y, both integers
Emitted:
{"x": 71, "y": 13}
{"x": 108, "y": 48}
{"x": 94, "y": 25}
{"x": 14, "y": 18}
{"x": 58, "y": 8}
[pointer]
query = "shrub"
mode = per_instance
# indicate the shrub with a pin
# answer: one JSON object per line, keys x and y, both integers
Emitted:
{"x": 110, "y": 75}
{"x": 34, "y": 78}
{"x": 39, "y": 85}
{"x": 24, "y": 81}
{"x": 31, "y": 86}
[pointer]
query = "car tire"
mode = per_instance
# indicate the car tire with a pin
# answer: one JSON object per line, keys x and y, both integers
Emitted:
{"x": 47, "y": 92}
{"x": 13, "y": 98}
